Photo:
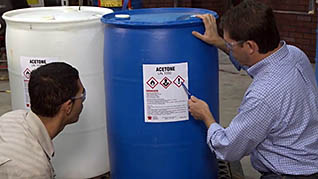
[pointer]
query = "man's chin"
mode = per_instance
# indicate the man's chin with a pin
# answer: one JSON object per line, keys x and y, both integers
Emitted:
{"x": 74, "y": 121}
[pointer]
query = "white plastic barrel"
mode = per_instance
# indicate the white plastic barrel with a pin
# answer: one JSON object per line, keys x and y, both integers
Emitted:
{"x": 35, "y": 36}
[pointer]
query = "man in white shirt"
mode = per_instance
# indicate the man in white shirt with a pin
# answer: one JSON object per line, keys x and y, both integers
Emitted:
{"x": 26, "y": 148}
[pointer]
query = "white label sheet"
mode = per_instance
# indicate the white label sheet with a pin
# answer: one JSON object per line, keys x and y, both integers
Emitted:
{"x": 165, "y": 100}
{"x": 28, "y": 64}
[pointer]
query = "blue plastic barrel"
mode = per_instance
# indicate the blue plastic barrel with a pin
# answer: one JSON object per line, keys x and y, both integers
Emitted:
{"x": 167, "y": 150}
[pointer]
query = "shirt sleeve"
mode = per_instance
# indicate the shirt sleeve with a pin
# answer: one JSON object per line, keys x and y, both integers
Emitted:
{"x": 248, "y": 128}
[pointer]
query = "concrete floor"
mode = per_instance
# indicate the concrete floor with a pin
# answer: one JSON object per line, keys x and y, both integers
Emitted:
{"x": 232, "y": 87}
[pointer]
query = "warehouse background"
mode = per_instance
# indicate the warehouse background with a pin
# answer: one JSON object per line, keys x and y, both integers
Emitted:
{"x": 296, "y": 19}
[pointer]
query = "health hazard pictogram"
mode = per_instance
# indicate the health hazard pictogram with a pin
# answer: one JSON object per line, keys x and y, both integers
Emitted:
{"x": 165, "y": 82}
{"x": 27, "y": 73}
{"x": 152, "y": 82}
{"x": 178, "y": 81}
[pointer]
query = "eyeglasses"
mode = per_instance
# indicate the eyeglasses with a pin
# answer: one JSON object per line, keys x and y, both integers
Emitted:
{"x": 82, "y": 96}
{"x": 230, "y": 45}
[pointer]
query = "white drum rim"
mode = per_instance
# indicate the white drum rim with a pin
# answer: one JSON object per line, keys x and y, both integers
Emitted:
{"x": 9, "y": 16}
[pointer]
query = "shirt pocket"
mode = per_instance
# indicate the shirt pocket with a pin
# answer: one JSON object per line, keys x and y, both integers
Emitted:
{"x": 4, "y": 160}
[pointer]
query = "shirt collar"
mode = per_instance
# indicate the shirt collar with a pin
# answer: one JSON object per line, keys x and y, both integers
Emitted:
{"x": 39, "y": 131}
{"x": 273, "y": 58}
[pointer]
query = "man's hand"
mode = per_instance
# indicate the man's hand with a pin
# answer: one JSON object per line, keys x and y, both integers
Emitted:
{"x": 200, "y": 111}
{"x": 210, "y": 35}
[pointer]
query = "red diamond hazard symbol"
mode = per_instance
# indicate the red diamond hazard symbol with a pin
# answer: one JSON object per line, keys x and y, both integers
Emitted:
{"x": 152, "y": 82}
{"x": 27, "y": 73}
{"x": 178, "y": 81}
{"x": 165, "y": 82}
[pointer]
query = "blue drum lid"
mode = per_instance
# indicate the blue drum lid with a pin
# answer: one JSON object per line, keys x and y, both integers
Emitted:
{"x": 156, "y": 17}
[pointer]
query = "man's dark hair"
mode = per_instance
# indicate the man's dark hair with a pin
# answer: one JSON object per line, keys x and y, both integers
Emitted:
{"x": 252, "y": 20}
{"x": 50, "y": 86}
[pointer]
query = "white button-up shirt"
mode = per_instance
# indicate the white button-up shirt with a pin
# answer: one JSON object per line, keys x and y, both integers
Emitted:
{"x": 26, "y": 148}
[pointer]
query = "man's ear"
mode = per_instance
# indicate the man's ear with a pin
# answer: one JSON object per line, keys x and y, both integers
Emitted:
{"x": 252, "y": 47}
{"x": 67, "y": 106}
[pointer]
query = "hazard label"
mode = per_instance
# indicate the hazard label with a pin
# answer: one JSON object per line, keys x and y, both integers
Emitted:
{"x": 27, "y": 65}
{"x": 152, "y": 82}
{"x": 165, "y": 82}
{"x": 178, "y": 81}
{"x": 27, "y": 73}
{"x": 165, "y": 102}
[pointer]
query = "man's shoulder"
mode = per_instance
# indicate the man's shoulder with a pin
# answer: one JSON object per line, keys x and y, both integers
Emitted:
{"x": 13, "y": 120}
{"x": 13, "y": 114}
{"x": 296, "y": 51}
{"x": 293, "y": 47}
